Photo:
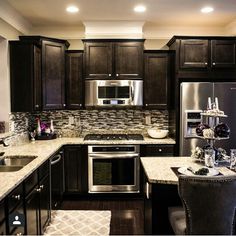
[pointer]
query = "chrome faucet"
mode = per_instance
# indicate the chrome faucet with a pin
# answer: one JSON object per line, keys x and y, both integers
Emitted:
{"x": 2, "y": 141}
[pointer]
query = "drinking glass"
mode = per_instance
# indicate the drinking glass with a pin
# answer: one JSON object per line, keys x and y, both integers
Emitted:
{"x": 233, "y": 159}
{"x": 209, "y": 155}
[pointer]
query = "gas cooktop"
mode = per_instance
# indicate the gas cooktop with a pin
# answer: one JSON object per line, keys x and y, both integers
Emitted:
{"x": 113, "y": 137}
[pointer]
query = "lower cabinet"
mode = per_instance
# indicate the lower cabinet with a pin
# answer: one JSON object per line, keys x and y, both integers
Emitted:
{"x": 37, "y": 201}
{"x": 76, "y": 169}
{"x": 157, "y": 199}
{"x": 2, "y": 218}
{"x": 160, "y": 150}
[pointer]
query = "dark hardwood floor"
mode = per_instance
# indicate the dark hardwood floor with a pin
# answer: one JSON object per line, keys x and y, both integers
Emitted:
{"x": 127, "y": 216}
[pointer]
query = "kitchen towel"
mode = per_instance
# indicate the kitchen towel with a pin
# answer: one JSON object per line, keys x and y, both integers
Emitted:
{"x": 79, "y": 222}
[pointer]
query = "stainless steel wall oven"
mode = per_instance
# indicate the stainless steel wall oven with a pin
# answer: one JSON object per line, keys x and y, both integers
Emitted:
{"x": 113, "y": 168}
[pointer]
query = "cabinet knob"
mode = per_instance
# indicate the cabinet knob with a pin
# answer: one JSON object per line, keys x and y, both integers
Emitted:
{"x": 37, "y": 106}
{"x": 146, "y": 105}
{"x": 160, "y": 150}
{"x": 18, "y": 234}
{"x": 206, "y": 63}
{"x": 38, "y": 190}
{"x": 41, "y": 186}
{"x": 17, "y": 197}
{"x": 109, "y": 75}
{"x": 117, "y": 75}
{"x": 64, "y": 105}
{"x": 213, "y": 63}
{"x": 80, "y": 105}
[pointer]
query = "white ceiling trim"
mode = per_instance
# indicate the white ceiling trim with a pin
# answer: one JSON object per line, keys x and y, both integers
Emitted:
{"x": 113, "y": 29}
{"x": 13, "y": 18}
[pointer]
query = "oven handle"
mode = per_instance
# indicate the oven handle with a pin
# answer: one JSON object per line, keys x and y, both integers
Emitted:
{"x": 113, "y": 155}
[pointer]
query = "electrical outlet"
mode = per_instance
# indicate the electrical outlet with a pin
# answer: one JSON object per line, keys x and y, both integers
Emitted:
{"x": 71, "y": 120}
{"x": 12, "y": 126}
{"x": 148, "y": 120}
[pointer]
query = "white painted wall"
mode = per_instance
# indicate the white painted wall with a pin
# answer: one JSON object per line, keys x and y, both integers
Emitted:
{"x": 4, "y": 81}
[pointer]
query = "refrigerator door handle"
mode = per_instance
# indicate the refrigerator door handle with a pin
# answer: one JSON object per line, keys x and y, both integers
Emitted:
{"x": 232, "y": 88}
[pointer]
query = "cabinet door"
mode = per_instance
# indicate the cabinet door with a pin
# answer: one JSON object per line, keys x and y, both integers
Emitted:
{"x": 2, "y": 218}
{"x": 74, "y": 80}
{"x": 193, "y": 53}
{"x": 76, "y": 169}
{"x": 98, "y": 60}
{"x": 223, "y": 53}
{"x": 53, "y": 75}
{"x": 37, "y": 80}
{"x": 44, "y": 198}
{"x": 156, "y": 80}
{"x": 129, "y": 60}
{"x": 32, "y": 213}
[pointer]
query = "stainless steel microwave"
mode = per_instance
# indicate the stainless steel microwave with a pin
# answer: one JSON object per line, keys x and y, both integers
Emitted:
{"x": 113, "y": 93}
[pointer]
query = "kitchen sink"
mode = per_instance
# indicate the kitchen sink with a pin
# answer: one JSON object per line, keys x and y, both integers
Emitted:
{"x": 14, "y": 163}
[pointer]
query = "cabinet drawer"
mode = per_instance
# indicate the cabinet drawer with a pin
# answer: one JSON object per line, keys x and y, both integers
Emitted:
{"x": 158, "y": 150}
{"x": 15, "y": 198}
{"x": 43, "y": 170}
{"x": 31, "y": 182}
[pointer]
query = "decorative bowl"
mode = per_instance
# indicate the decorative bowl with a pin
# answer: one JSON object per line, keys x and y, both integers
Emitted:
{"x": 157, "y": 133}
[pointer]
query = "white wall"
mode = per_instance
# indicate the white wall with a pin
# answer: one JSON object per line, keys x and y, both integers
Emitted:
{"x": 4, "y": 81}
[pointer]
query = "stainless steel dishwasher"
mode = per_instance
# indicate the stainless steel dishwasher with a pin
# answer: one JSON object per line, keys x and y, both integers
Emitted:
{"x": 57, "y": 179}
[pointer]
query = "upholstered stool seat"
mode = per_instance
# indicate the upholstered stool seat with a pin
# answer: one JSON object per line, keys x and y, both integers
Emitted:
{"x": 209, "y": 206}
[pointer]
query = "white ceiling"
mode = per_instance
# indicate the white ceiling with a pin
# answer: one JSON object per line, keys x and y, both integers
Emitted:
{"x": 159, "y": 12}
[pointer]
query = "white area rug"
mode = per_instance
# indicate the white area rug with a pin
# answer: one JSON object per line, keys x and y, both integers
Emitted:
{"x": 78, "y": 222}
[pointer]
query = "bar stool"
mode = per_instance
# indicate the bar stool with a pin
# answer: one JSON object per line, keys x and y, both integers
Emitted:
{"x": 208, "y": 205}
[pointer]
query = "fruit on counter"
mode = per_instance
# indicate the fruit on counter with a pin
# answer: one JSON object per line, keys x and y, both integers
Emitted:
{"x": 200, "y": 128}
{"x": 222, "y": 130}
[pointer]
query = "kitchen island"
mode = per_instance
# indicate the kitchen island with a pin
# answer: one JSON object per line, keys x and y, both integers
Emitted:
{"x": 161, "y": 189}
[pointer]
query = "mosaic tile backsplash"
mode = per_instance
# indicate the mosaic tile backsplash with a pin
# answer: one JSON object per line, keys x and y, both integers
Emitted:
{"x": 90, "y": 121}
{"x": 86, "y": 121}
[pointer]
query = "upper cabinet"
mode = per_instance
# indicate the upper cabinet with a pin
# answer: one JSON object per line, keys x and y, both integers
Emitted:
{"x": 37, "y": 70}
{"x": 157, "y": 78}
{"x": 209, "y": 55}
{"x": 113, "y": 59}
{"x": 74, "y": 79}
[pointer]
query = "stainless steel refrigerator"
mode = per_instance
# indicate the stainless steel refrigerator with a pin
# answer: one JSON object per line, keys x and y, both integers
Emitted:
{"x": 193, "y": 100}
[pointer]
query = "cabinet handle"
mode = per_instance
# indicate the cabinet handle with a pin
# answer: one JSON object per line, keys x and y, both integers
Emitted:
{"x": 117, "y": 75}
{"x": 213, "y": 63}
{"x": 206, "y": 63}
{"x": 37, "y": 106}
{"x": 38, "y": 190}
{"x": 160, "y": 150}
{"x": 146, "y": 105}
{"x": 109, "y": 75}
{"x": 17, "y": 197}
{"x": 41, "y": 186}
{"x": 64, "y": 105}
{"x": 148, "y": 190}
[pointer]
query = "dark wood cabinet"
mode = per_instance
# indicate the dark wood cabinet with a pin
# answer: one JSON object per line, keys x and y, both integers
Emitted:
{"x": 193, "y": 53}
{"x": 76, "y": 169}
{"x": 161, "y": 150}
{"x": 74, "y": 79}
{"x": 37, "y": 70}
{"x": 98, "y": 60}
{"x": 53, "y": 75}
{"x": 15, "y": 206}
{"x": 37, "y": 200}
{"x": 129, "y": 60}
{"x": 25, "y": 73}
{"x": 209, "y": 54}
{"x": 113, "y": 59}
{"x": 223, "y": 53}
{"x": 2, "y": 218}
{"x": 157, "y": 78}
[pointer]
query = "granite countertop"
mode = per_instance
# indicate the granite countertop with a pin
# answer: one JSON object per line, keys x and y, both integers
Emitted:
{"x": 44, "y": 149}
{"x": 158, "y": 169}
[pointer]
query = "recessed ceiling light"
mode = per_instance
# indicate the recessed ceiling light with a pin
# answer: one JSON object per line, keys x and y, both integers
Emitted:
{"x": 207, "y": 9}
{"x": 140, "y": 8}
{"x": 72, "y": 9}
